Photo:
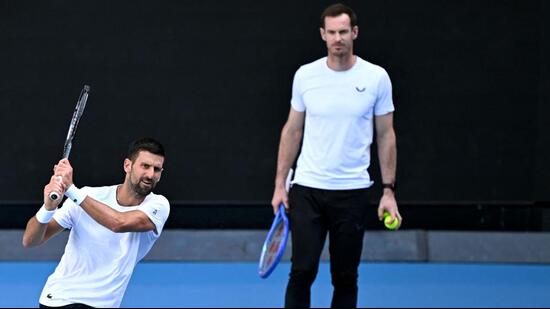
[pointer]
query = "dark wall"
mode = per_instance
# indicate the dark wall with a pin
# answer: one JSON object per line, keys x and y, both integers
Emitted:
{"x": 542, "y": 170}
{"x": 212, "y": 79}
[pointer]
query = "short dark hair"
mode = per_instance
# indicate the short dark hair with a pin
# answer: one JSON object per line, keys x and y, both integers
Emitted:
{"x": 337, "y": 10}
{"x": 145, "y": 144}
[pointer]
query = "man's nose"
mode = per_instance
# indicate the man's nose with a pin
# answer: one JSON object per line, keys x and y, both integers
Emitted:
{"x": 150, "y": 173}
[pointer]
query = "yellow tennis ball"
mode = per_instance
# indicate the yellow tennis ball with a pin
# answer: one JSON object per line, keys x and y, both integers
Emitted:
{"x": 392, "y": 225}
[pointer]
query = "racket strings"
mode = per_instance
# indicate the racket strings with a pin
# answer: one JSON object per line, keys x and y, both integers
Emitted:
{"x": 273, "y": 247}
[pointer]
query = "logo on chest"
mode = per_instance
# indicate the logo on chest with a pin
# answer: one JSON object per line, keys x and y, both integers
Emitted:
{"x": 360, "y": 89}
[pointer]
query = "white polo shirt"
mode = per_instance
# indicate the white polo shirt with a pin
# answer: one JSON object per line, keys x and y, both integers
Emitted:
{"x": 98, "y": 263}
{"x": 340, "y": 107}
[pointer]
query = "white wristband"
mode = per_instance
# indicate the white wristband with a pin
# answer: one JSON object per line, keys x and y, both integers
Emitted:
{"x": 44, "y": 216}
{"x": 75, "y": 194}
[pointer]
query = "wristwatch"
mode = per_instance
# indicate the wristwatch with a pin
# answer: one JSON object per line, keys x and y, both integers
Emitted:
{"x": 390, "y": 186}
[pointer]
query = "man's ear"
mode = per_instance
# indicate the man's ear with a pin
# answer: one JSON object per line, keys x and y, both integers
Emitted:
{"x": 355, "y": 31}
{"x": 127, "y": 165}
{"x": 323, "y": 34}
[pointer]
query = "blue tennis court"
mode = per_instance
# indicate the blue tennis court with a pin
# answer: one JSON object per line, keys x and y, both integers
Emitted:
{"x": 237, "y": 285}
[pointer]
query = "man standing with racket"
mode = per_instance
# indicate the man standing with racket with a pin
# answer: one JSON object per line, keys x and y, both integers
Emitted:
{"x": 112, "y": 229}
{"x": 336, "y": 102}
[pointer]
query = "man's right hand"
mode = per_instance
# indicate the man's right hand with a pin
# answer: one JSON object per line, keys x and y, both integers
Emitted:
{"x": 279, "y": 196}
{"x": 57, "y": 186}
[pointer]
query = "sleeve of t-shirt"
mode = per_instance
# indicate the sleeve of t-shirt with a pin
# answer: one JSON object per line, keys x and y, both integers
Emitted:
{"x": 157, "y": 209}
{"x": 65, "y": 216}
{"x": 297, "y": 101}
{"x": 384, "y": 102}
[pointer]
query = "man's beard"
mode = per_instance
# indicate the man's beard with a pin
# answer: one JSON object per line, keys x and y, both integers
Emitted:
{"x": 340, "y": 53}
{"x": 142, "y": 191}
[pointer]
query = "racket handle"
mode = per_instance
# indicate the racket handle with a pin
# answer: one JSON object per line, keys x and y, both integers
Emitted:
{"x": 54, "y": 196}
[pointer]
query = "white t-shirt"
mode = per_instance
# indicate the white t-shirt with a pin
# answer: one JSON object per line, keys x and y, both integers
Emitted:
{"x": 340, "y": 107}
{"x": 98, "y": 263}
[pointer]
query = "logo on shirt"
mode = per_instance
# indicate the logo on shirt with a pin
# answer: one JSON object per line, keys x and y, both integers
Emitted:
{"x": 360, "y": 89}
{"x": 49, "y": 296}
{"x": 155, "y": 213}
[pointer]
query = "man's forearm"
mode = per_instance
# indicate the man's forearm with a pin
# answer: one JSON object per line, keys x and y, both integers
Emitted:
{"x": 34, "y": 233}
{"x": 102, "y": 213}
{"x": 387, "y": 156}
{"x": 288, "y": 150}
{"x": 116, "y": 221}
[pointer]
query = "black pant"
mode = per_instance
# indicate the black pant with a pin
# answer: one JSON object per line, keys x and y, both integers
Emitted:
{"x": 313, "y": 213}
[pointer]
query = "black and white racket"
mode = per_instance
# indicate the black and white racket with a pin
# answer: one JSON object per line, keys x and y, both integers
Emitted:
{"x": 78, "y": 111}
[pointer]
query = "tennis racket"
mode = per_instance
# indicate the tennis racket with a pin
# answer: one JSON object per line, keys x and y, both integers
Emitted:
{"x": 78, "y": 111}
{"x": 275, "y": 242}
